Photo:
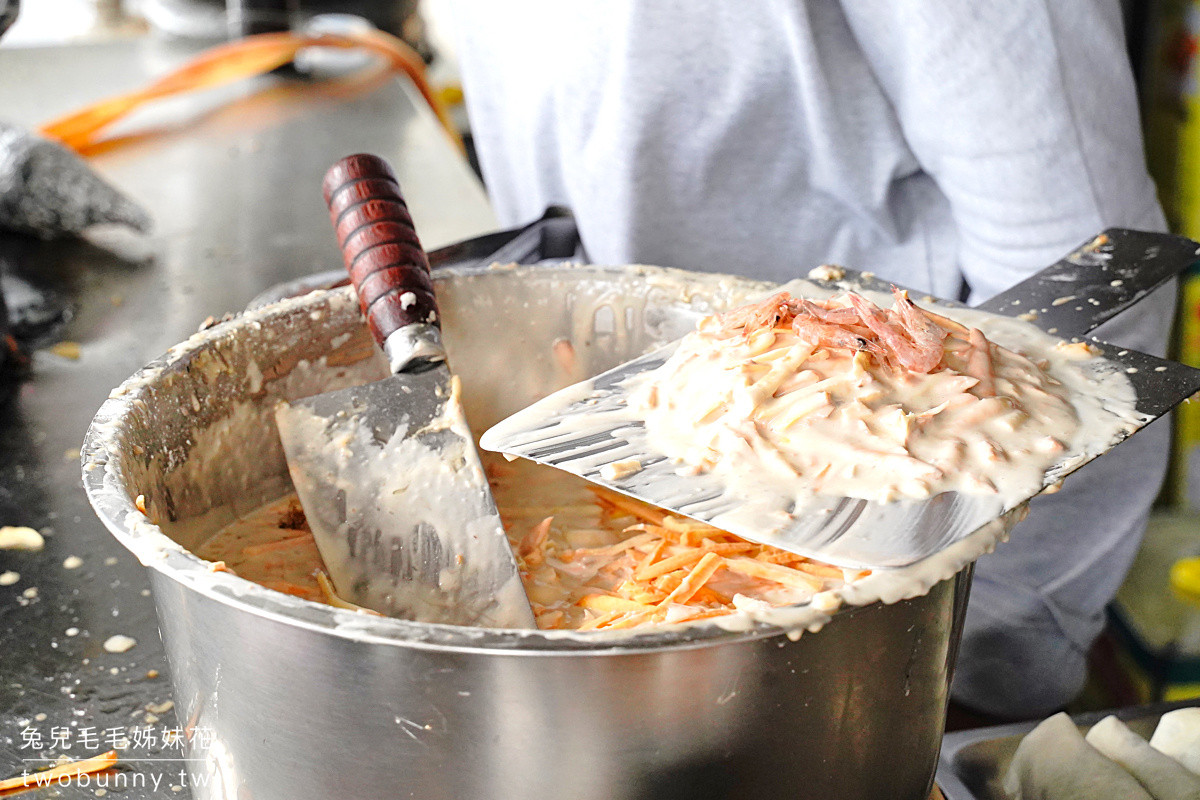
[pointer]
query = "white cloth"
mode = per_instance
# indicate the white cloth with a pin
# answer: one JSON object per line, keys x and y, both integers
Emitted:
{"x": 1159, "y": 774}
{"x": 1054, "y": 762}
{"x": 929, "y": 141}
{"x": 1178, "y": 736}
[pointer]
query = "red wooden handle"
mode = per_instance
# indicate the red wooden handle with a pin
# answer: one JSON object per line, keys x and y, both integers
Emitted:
{"x": 387, "y": 265}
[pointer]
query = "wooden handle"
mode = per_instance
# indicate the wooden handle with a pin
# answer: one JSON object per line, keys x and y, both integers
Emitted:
{"x": 387, "y": 265}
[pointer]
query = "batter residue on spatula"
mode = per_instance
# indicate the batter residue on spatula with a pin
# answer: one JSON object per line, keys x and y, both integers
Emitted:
{"x": 843, "y": 397}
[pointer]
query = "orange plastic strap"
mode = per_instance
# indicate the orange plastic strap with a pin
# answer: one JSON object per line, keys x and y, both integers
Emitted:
{"x": 67, "y": 771}
{"x": 245, "y": 58}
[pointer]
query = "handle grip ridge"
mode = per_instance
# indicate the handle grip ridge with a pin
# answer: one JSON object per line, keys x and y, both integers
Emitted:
{"x": 380, "y": 247}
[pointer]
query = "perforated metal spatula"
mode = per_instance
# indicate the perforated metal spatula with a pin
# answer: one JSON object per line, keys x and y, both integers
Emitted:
{"x": 587, "y": 429}
{"x": 388, "y": 473}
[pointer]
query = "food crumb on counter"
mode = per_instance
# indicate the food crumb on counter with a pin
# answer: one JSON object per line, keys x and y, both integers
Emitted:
{"x": 1079, "y": 349}
{"x": 69, "y": 350}
{"x": 8, "y": 577}
{"x": 20, "y": 538}
{"x": 826, "y": 272}
{"x": 72, "y": 562}
{"x": 119, "y": 643}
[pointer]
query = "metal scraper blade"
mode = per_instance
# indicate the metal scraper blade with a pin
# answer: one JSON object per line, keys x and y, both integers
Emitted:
{"x": 1096, "y": 281}
{"x": 399, "y": 504}
{"x": 588, "y": 426}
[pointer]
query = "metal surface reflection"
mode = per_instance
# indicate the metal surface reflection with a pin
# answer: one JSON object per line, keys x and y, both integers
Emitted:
{"x": 233, "y": 180}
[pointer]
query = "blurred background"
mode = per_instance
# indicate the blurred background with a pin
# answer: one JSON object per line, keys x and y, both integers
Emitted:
{"x": 1151, "y": 650}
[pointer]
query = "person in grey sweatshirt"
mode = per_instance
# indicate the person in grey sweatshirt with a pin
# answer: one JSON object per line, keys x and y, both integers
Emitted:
{"x": 951, "y": 147}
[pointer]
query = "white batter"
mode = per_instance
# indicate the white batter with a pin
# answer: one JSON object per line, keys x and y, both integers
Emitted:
{"x": 841, "y": 397}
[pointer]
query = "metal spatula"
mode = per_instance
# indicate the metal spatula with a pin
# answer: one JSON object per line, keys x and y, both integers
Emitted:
{"x": 387, "y": 473}
{"x": 587, "y": 427}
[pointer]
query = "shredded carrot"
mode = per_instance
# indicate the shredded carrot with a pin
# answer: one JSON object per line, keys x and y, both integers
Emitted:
{"x": 631, "y": 620}
{"x": 647, "y": 595}
{"x": 289, "y": 588}
{"x": 548, "y": 620}
{"x": 600, "y": 621}
{"x": 332, "y": 598}
{"x": 690, "y": 557}
{"x": 651, "y": 574}
{"x": 979, "y": 364}
{"x": 611, "y": 550}
{"x": 636, "y": 508}
{"x": 953, "y": 326}
{"x": 706, "y": 613}
{"x": 778, "y": 557}
{"x": 652, "y": 556}
{"x": 667, "y": 565}
{"x": 536, "y": 537}
{"x": 670, "y": 582}
{"x": 698, "y": 536}
{"x": 821, "y": 570}
{"x": 73, "y": 769}
{"x": 607, "y": 602}
{"x": 707, "y": 594}
{"x": 695, "y": 580}
{"x": 774, "y": 572}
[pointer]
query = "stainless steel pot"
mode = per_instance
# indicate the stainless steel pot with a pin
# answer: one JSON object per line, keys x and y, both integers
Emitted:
{"x": 305, "y": 701}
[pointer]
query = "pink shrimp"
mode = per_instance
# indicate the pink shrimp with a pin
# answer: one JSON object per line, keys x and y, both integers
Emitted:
{"x": 918, "y": 358}
{"x": 834, "y": 316}
{"x": 822, "y": 333}
{"x": 979, "y": 364}
{"x": 777, "y": 310}
{"x": 921, "y": 329}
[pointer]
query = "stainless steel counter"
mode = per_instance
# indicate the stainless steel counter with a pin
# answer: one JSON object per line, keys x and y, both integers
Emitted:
{"x": 232, "y": 180}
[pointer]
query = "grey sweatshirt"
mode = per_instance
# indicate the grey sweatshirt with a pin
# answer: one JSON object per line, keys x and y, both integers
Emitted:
{"x": 936, "y": 143}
